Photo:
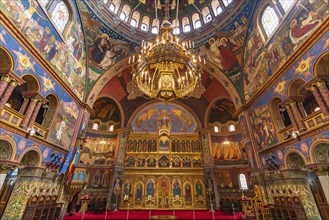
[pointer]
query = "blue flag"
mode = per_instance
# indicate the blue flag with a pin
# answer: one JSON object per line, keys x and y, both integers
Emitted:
{"x": 66, "y": 163}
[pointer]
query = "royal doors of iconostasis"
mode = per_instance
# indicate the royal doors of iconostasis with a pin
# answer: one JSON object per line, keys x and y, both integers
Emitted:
{"x": 163, "y": 162}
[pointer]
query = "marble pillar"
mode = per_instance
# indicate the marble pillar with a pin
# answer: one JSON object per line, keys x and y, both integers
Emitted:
{"x": 35, "y": 113}
{"x": 301, "y": 109}
{"x": 29, "y": 112}
{"x": 298, "y": 117}
{"x": 4, "y": 81}
{"x": 9, "y": 90}
{"x": 319, "y": 100}
{"x": 292, "y": 118}
{"x": 24, "y": 105}
{"x": 323, "y": 91}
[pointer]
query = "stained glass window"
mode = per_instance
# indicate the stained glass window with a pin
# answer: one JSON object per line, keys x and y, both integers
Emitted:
{"x": 243, "y": 181}
{"x": 217, "y": 9}
{"x": 206, "y": 14}
{"x": 231, "y": 128}
{"x": 176, "y": 26}
{"x": 95, "y": 126}
{"x": 270, "y": 20}
{"x": 187, "y": 28}
{"x": 44, "y": 3}
{"x": 154, "y": 30}
{"x": 145, "y": 23}
{"x": 60, "y": 16}
{"x": 227, "y": 2}
{"x": 125, "y": 12}
{"x": 112, "y": 7}
{"x": 196, "y": 20}
{"x": 286, "y": 4}
{"x": 135, "y": 19}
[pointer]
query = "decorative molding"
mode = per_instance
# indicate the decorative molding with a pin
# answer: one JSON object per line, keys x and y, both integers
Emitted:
{"x": 303, "y": 136}
{"x": 23, "y": 133}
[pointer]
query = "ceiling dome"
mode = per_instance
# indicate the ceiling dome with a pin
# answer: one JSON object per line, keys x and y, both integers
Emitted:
{"x": 144, "y": 17}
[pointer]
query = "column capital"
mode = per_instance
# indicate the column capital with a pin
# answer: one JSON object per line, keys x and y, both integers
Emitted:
{"x": 320, "y": 82}
{"x": 34, "y": 95}
{"x": 5, "y": 77}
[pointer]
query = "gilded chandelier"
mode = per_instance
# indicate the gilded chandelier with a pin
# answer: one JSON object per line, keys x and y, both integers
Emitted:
{"x": 167, "y": 69}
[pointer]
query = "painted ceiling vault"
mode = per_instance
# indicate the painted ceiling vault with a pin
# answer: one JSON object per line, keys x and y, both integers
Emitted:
{"x": 228, "y": 40}
{"x": 105, "y": 29}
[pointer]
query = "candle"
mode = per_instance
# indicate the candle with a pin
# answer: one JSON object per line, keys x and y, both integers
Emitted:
{"x": 129, "y": 60}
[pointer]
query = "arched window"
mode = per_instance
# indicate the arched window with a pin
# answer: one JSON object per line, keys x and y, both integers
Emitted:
{"x": 206, "y": 14}
{"x": 216, "y": 129}
{"x": 196, "y": 20}
{"x": 60, "y": 16}
{"x": 135, "y": 19}
{"x": 186, "y": 24}
{"x": 44, "y": 3}
{"x": 115, "y": 5}
{"x": 227, "y": 2}
{"x": 176, "y": 29}
{"x": 125, "y": 12}
{"x": 111, "y": 128}
{"x": 216, "y": 7}
{"x": 231, "y": 127}
{"x": 155, "y": 26}
{"x": 145, "y": 23}
{"x": 270, "y": 20}
{"x": 105, "y": 1}
{"x": 95, "y": 126}
{"x": 286, "y": 4}
{"x": 243, "y": 181}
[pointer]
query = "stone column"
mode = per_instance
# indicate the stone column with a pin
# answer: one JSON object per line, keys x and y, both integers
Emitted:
{"x": 319, "y": 100}
{"x": 4, "y": 81}
{"x": 113, "y": 199}
{"x": 35, "y": 113}
{"x": 323, "y": 91}
{"x": 298, "y": 117}
{"x": 29, "y": 112}
{"x": 25, "y": 104}
{"x": 291, "y": 116}
{"x": 208, "y": 170}
{"x": 301, "y": 109}
{"x": 10, "y": 88}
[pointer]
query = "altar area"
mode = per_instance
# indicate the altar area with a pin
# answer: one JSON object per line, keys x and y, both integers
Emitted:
{"x": 145, "y": 214}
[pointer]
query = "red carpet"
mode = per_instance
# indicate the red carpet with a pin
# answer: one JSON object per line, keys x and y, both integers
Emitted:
{"x": 134, "y": 214}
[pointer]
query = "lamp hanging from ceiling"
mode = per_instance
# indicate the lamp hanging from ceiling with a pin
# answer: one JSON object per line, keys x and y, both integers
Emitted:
{"x": 167, "y": 69}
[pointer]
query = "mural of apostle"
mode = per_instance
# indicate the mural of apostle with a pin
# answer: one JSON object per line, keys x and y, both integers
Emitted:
{"x": 100, "y": 47}
{"x": 139, "y": 192}
{"x": 150, "y": 189}
{"x": 198, "y": 189}
{"x": 117, "y": 186}
{"x": 127, "y": 190}
{"x": 188, "y": 192}
{"x": 176, "y": 189}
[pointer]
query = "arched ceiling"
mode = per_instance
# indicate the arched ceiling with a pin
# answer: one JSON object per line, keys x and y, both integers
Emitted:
{"x": 223, "y": 37}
